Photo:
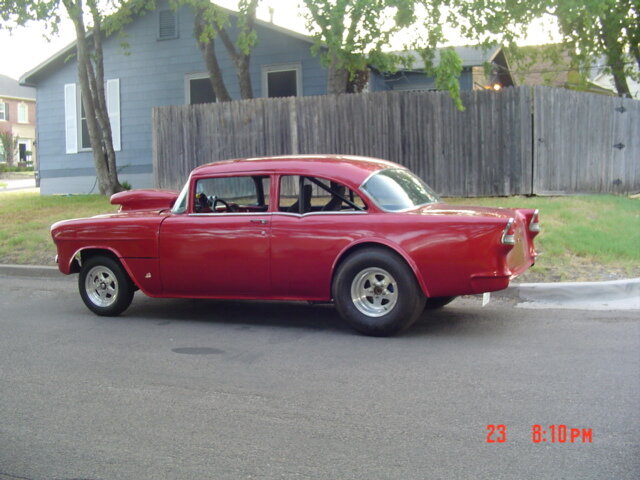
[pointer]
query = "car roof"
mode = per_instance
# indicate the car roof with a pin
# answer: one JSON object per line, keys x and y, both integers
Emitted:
{"x": 347, "y": 168}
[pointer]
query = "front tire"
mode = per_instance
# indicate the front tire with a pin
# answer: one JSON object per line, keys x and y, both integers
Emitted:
{"x": 104, "y": 286}
{"x": 376, "y": 292}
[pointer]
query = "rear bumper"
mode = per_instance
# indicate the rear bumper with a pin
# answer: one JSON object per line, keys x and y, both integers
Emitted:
{"x": 482, "y": 284}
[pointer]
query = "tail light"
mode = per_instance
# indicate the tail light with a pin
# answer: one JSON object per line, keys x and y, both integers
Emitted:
{"x": 534, "y": 223}
{"x": 509, "y": 234}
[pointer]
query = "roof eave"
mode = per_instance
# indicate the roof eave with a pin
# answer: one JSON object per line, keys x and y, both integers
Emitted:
{"x": 29, "y": 79}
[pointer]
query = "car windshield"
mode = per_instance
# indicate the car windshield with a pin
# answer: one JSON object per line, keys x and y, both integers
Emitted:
{"x": 181, "y": 203}
{"x": 397, "y": 189}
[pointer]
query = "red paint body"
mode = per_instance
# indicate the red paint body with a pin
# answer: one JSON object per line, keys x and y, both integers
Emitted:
{"x": 275, "y": 255}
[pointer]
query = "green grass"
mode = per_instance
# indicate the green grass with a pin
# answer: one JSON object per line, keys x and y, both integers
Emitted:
{"x": 583, "y": 237}
{"x": 2, "y": 184}
{"x": 25, "y": 219}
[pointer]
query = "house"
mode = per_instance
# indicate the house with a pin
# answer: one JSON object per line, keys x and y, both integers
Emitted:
{"x": 551, "y": 65}
{"x": 482, "y": 68}
{"x": 163, "y": 66}
{"x": 18, "y": 116}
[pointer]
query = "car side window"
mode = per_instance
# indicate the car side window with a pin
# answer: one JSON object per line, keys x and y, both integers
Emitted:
{"x": 239, "y": 194}
{"x": 301, "y": 194}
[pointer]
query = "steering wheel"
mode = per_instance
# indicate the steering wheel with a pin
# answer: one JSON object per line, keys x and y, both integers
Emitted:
{"x": 230, "y": 207}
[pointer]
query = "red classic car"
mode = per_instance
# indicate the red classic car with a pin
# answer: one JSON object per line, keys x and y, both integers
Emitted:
{"x": 364, "y": 233}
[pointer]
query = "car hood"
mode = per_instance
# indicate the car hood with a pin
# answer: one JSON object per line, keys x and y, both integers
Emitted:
{"x": 144, "y": 200}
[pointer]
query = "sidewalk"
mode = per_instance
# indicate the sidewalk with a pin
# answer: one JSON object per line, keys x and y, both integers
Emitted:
{"x": 613, "y": 295}
{"x": 17, "y": 184}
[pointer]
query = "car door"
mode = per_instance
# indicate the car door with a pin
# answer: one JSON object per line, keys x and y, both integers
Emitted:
{"x": 315, "y": 220}
{"x": 219, "y": 248}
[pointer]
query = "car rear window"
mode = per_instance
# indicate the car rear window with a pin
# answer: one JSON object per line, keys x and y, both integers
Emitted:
{"x": 397, "y": 189}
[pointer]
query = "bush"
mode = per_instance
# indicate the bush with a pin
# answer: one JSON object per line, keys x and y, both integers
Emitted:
{"x": 4, "y": 168}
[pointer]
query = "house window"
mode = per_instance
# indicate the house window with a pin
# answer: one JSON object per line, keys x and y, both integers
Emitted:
{"x": 167, "y": 24}
{"x": 85, "y": 141}
{"x": 23, "y": 113}
{"x": 198, "y": 89}
{"x": 75, "y": 118}
{"x": 282, "y": 80}
{"x": 4, "y": 111}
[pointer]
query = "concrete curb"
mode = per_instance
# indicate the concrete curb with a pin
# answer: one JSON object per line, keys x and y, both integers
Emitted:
{"x": 616, "y": 294}
{"x": 612, "y": 295}
{"x": 29, "y": 271}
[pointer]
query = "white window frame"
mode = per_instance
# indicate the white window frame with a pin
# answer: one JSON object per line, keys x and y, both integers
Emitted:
{"x": 23, "y": 113}
{"x": 187, "y": 85}
{"x": 3, "y": 112}
{"x": 282, "y": 67}
{"x": 73, "y": 116}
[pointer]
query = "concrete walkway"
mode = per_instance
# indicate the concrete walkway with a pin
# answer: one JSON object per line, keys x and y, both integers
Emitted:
{"x": 17, "y": 184}
{"x": 613, "y": 295}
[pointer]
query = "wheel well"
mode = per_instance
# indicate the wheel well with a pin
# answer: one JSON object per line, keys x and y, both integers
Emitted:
{"x": 379, "y": 246}
{"x": 87, "y": 253}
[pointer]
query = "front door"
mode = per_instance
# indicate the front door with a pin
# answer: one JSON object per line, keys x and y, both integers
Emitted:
{"x": 221, "y": 248}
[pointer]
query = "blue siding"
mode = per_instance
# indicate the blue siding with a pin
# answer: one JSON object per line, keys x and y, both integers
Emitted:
{"x": 152, "y": 74}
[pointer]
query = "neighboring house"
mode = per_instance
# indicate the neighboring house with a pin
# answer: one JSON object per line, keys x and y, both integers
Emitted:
{"x": 602, "y": 79}
{"x": 482, "y": 68}
{"x": 163, "y": 67}
{"x": 18, "y": 116}
{"x": 551, "y": 66}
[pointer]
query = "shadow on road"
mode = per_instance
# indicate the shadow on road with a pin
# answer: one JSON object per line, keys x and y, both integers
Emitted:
{"x": 461, "y": 320}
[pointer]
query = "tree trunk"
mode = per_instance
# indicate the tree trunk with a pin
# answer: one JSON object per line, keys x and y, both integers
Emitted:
{"x": 337, "y": 79}
{"x": 208, "y": 51}
{"x": 107, "y": 178}
{"x": 240, "y": 61}
{"x": 615, "y": 54}
{"x": 96, "y": 76}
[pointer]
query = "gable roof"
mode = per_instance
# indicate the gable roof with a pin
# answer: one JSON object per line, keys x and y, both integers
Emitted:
{"x": 471, "y": 56}
{"x": 11, "y": 88}
{"x": 33, "y": 76}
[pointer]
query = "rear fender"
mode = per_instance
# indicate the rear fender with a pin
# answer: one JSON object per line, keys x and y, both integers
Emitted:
{"x": 379, "y": 242}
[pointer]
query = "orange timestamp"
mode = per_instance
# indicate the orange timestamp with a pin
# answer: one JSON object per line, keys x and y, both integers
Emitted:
{"x": 543, "y": 434}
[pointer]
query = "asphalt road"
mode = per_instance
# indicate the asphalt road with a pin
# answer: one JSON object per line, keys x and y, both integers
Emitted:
{"x": 178, "y": 389}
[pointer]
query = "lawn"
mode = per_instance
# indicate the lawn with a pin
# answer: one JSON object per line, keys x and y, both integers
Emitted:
{"x": 594, "y": 237}
{"x": 25, "y": 219}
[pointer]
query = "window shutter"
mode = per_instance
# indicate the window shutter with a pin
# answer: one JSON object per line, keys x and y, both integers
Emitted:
{"x": 70, "y": 118}
{"x": 167, "y": 24}
{"x": 113, "y": 109}
{"x": 6, "y": 112}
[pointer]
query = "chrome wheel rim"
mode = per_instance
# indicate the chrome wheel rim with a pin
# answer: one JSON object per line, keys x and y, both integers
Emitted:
{"x": 101, "y": 286}
{"x": 374, "y": 292}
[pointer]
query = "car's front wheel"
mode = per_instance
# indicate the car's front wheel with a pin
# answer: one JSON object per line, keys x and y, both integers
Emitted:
{"x": 104, "y": 286}
{"x": 376, "y": 292}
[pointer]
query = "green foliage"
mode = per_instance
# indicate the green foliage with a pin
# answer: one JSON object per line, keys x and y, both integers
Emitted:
{"x": 352, "y": 35}
{"x": 589, "y": 28}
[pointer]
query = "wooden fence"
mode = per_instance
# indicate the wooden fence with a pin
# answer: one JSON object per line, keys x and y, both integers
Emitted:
{"x": 519, "y": 141}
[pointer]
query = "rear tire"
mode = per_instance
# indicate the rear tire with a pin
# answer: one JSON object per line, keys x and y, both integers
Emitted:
{"x": 376, "y": 292}
{"x": 105, "y": 287}
{"x": 434, "y": 303}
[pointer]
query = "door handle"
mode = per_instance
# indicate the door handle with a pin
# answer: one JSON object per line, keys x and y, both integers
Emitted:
{"x": 261, "y": 221}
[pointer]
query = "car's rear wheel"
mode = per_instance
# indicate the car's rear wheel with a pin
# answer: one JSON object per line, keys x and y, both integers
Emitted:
{"x": 104, "y": 286}
{"x": 376, "y": 292}
{"x": 433, "y": 303}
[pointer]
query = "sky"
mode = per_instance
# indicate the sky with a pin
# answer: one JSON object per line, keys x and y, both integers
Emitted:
{"x": 25, "y": 48}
